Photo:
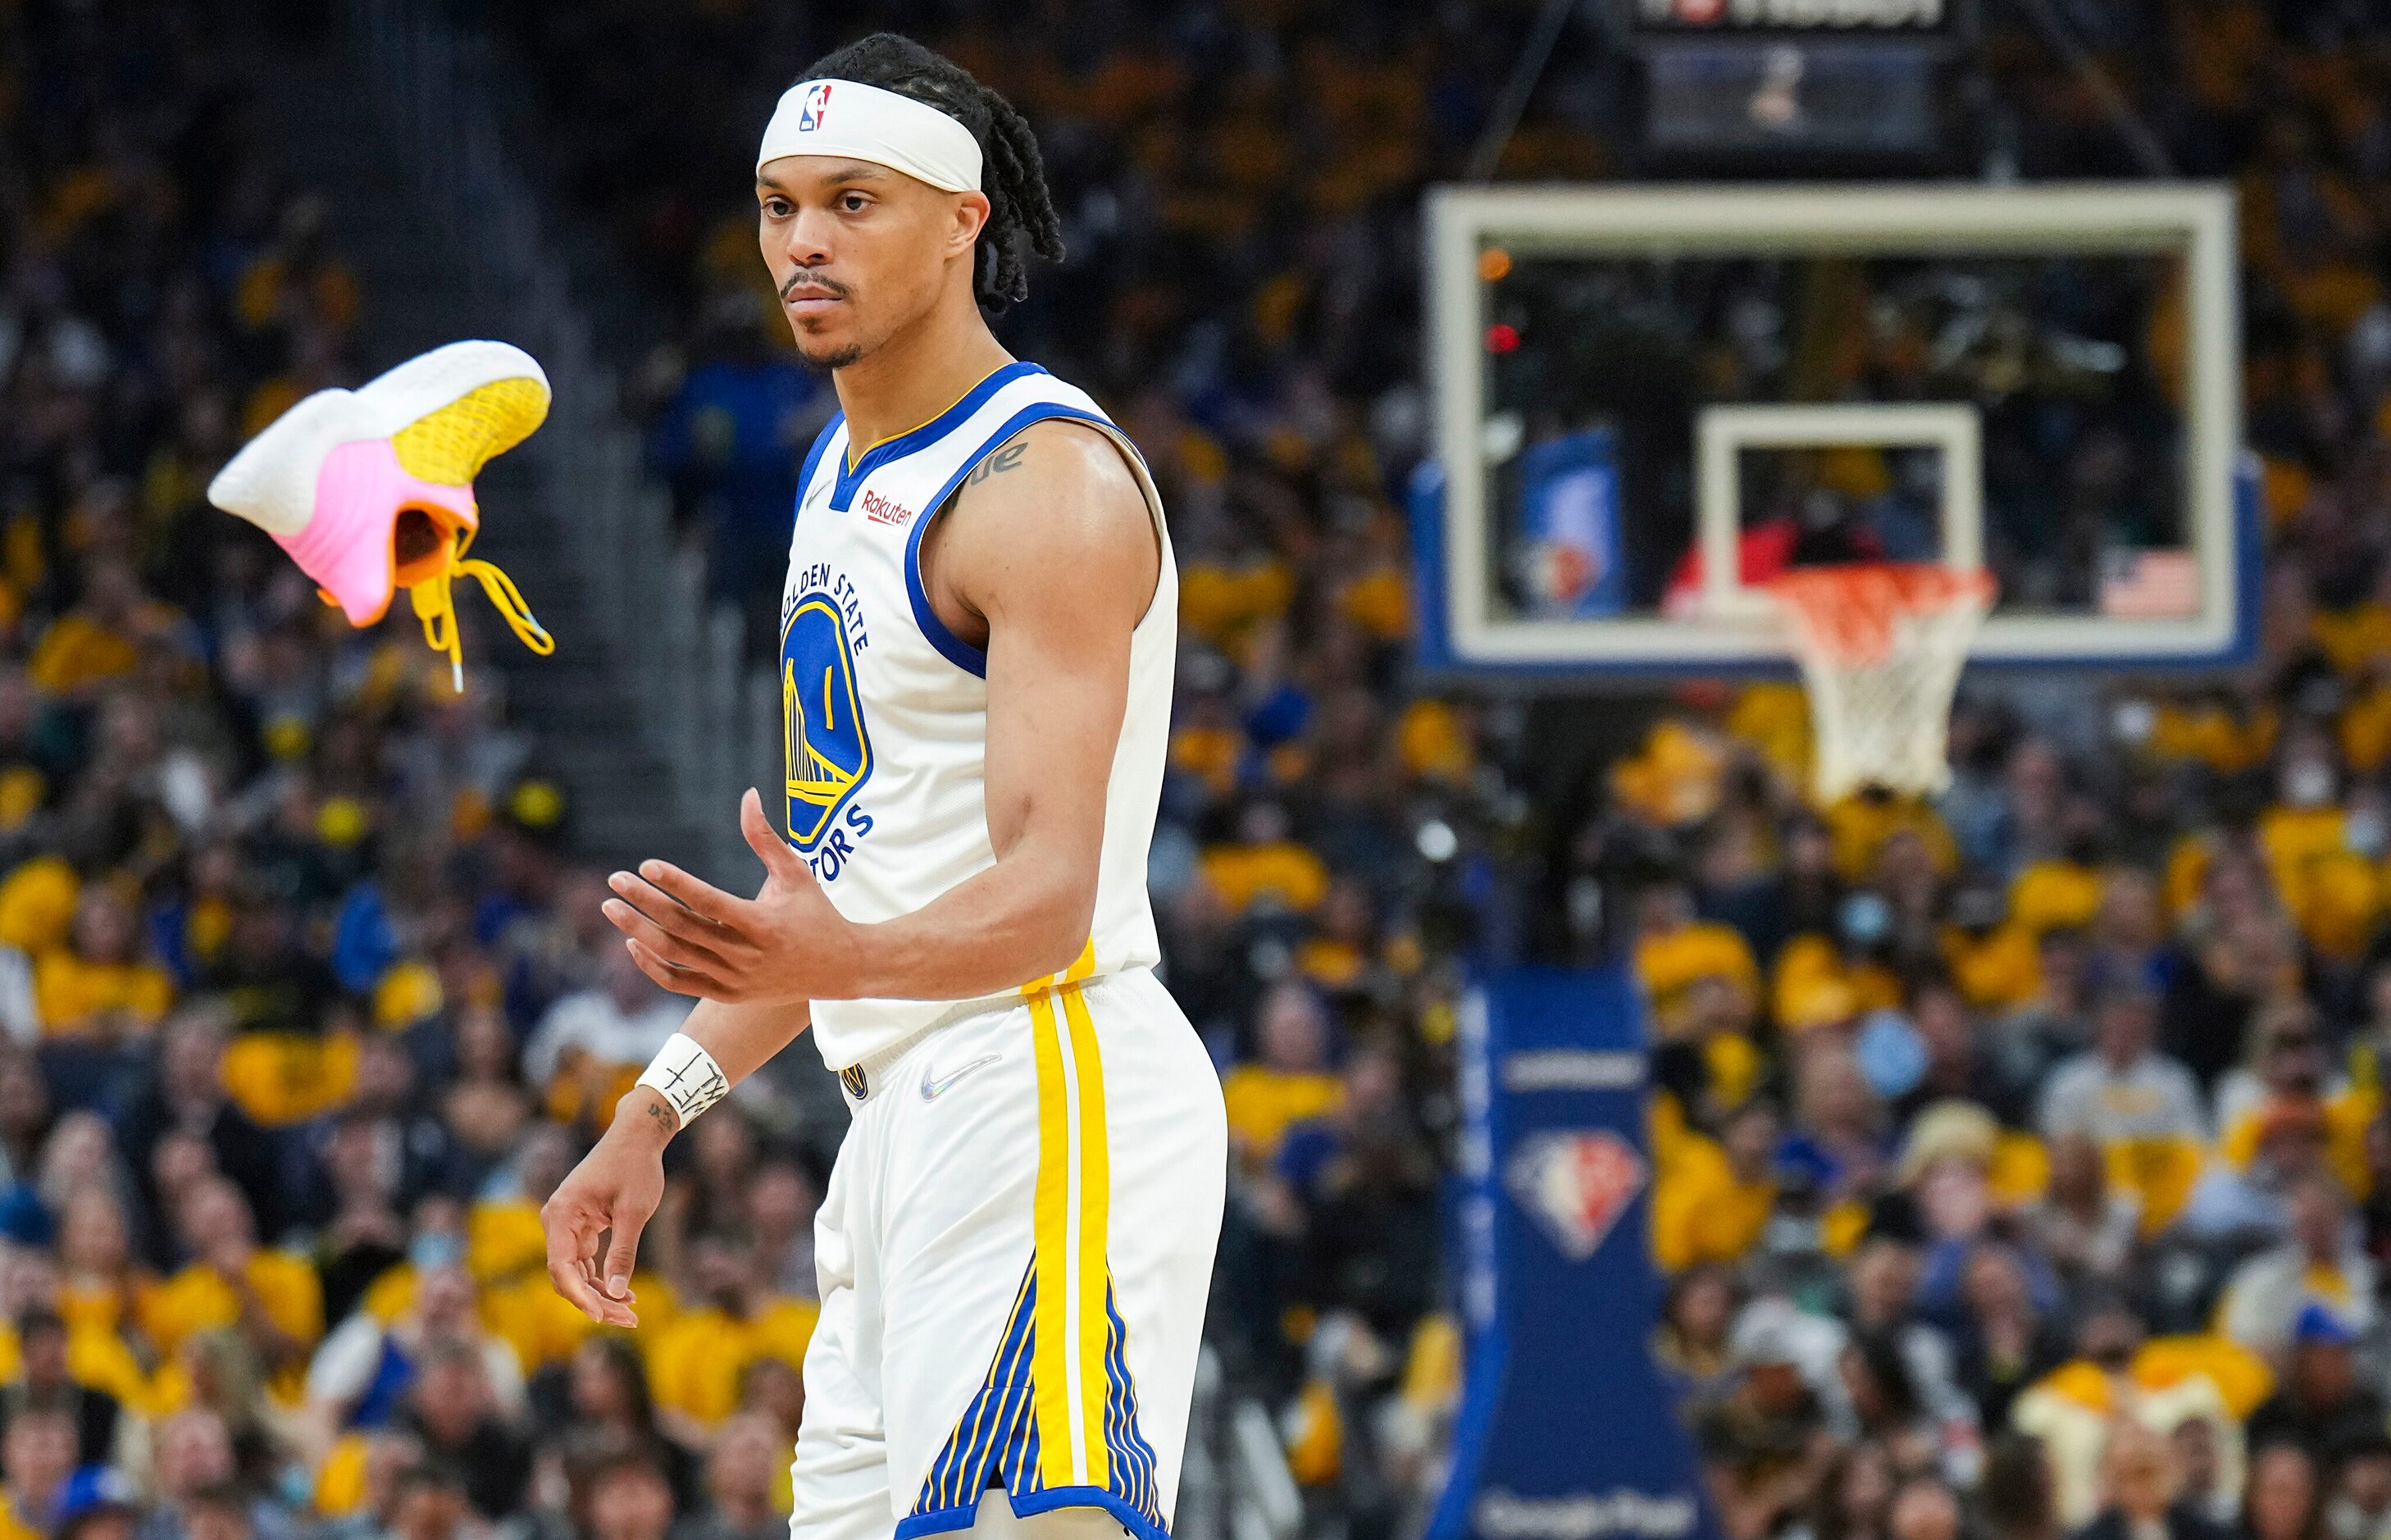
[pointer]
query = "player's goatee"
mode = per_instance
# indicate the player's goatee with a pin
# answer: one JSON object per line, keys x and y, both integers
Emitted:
{"x": 852, "y": 353}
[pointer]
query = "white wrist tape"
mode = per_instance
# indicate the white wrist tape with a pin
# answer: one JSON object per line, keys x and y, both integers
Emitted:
{"x": 685, "y": 1074}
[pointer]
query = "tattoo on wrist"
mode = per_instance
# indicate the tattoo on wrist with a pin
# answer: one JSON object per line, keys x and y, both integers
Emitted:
{"x": 667, "y": 1124}
{"x": 686, "y": 1076}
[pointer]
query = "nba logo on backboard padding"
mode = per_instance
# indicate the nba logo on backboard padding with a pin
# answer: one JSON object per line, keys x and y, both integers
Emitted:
{"x": 811, "y": 107}
{"x": 1576, "y": 1185}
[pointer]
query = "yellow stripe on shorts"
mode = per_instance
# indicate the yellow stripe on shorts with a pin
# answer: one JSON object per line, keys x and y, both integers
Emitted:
{"x": 1057, "y": 1412}
{"x": 1095, "y": 1204}
{"x": 1048, "y": 1372}
{"x": 1072, "y": 1217}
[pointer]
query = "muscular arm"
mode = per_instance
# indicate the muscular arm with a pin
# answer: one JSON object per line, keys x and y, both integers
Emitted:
{"x": 1051, "y": 554}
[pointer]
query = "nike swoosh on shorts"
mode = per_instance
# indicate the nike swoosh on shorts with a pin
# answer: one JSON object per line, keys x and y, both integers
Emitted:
{"x": 933, "y": 1089}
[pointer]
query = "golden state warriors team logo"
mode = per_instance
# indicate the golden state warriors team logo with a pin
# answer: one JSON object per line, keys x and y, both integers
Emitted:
{"x": 828, "y": 751}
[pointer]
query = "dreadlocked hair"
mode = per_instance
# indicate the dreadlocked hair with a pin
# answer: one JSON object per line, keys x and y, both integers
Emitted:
{"x": 1021, "y": 219}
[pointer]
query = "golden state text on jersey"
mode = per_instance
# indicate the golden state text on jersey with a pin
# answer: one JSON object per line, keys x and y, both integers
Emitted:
{"x": 826, "y": 744}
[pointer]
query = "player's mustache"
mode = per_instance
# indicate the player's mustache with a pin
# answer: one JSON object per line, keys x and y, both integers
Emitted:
{"x": 814, "y": 281}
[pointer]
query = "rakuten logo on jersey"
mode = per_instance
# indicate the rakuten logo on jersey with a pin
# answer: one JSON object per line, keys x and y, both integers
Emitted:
{"x": 880, "y": 511}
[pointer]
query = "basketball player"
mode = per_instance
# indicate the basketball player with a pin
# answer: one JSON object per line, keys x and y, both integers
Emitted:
{"x": 977, "y": 639}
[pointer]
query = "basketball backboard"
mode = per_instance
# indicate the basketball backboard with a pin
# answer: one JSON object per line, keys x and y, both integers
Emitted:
{"x": 1649, "y": 400}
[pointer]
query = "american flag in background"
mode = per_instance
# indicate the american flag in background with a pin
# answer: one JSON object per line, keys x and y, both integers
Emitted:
{"x": 2150, "y": 585}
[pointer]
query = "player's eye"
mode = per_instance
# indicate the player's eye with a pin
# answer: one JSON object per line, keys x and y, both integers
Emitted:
{"x": 853, "y": 203}
{"x": 776, "y": 208}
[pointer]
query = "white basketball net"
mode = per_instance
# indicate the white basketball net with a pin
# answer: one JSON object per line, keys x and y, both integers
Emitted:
{"x": 1881, "y": 645}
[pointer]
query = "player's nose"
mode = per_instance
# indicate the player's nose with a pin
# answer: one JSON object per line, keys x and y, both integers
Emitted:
{"x": 806, "y": 240}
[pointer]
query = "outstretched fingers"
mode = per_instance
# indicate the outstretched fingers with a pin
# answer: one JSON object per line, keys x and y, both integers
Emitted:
{"x": 698, "y": 897}
{"x": 697, "y": 983}
{"x": 671, "y": 933}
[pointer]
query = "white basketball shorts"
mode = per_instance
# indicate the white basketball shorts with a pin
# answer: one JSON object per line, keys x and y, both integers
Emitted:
{"x": 1015, "y": 1254}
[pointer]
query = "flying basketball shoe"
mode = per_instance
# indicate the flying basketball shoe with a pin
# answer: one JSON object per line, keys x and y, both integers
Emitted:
{"x": 371, "y": 490}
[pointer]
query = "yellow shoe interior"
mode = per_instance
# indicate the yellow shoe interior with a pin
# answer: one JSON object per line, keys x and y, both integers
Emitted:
{"x": 452, "y": 444}
{"x": 449, "y": 447}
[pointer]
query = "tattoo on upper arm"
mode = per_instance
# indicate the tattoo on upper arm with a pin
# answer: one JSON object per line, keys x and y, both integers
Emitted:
{"x": 997, "y": 464}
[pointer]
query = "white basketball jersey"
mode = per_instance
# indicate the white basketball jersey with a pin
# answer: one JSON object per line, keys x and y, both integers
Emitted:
{"x": 884, "y": 710}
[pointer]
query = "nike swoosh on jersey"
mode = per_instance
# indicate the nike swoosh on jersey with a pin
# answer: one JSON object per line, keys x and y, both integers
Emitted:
{"x": 933, "y": 1089}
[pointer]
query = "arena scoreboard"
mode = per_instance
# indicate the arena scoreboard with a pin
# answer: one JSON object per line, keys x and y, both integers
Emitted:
{"x": 1803, "y": 78}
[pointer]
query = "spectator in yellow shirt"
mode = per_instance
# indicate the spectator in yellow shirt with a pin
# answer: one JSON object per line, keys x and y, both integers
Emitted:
{"x": 2140, "y": 1106}
{"x": 1705, "y": 1055}
{"x": 98, "y": 984}
{"x": 1713, "y": 1205}
{"x": 503, "y": 1237}
{"x": 1673, "y": 948}
{"x": 1291, "y": 1083}
{"x": 272, "y": 1298}
{"x": 1704, "y": 985}
{"x": 2289, "y": 1066}
{"x": 695, "y": 1363}
{"x": 1265, "y": 870}
{"x": 99, "y": 639}
{"x": 96, "y": 1281}
{"x": 29, "y": 1295}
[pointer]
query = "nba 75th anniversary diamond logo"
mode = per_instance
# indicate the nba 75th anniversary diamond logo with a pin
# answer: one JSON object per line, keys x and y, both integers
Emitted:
{"x": 1576, "y": 1183}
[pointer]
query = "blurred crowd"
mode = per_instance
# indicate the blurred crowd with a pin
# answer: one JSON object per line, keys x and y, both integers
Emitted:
{"x": 305, "y": 1005}
{"x": 2020, "y": 1159}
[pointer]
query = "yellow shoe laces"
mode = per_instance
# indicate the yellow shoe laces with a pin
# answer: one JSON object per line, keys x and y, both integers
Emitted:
{"x": 437, "y": 607}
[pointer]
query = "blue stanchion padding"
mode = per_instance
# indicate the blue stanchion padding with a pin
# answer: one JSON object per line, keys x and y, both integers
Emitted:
{"x": 1567, "y": 1430}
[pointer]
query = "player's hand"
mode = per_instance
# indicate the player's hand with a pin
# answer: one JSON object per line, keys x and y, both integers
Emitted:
{"x": 593, "y": 1219}
{"x": 786, "y": 944}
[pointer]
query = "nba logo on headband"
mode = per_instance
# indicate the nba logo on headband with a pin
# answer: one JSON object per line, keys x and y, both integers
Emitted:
{"x": 876, "y": 125}
{"x": 810, "y": 111}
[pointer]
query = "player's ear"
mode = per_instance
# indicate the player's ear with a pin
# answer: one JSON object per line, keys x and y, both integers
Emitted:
{"x": 971, "y": 211}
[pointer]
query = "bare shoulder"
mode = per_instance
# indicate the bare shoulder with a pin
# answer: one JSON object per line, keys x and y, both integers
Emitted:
{"x": 1066, "y": 477}
{"x": 1056, "y": 504}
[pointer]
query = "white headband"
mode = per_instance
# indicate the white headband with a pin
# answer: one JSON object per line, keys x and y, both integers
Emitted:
{"x": 864, "y": 122}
